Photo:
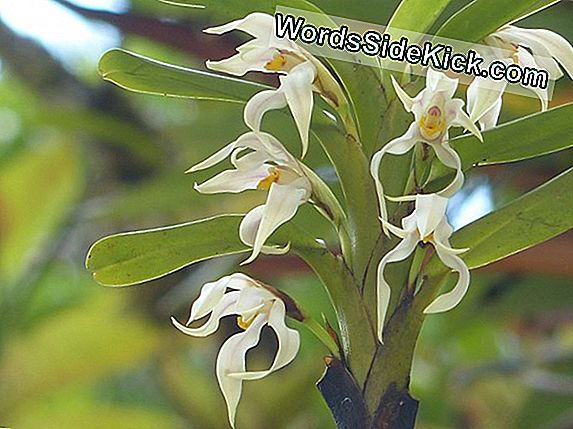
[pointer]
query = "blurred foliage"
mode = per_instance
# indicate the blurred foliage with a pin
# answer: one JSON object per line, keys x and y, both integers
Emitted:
{"x": 81, "y": 160}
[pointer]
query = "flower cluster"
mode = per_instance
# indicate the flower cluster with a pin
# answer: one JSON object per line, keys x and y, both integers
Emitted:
{"x": 435, "y": 111}
{"x": 261, "y": 162}
{"x": 535, "y": 48}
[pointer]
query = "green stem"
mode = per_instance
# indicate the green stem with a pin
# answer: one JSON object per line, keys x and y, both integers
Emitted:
{"x": 356, "y": 331}
{"x": 392, "y": 364}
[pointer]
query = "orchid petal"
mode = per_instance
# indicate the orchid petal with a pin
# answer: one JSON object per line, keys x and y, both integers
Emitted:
{"x": 438, "y": 81}
{"x": 288, "y": 344}
{"x": 449, "y": 300}
{"x": 214, "y": 159}
{"x": 212, "y": 293}
{"x": 404, "y": 249}
{"x": 543, "y": 42}
{"x": 398, "y": 232}
{"x": 430, "y": 210}
{"x": 256, "y": 24}
{"x": 398, "y": 146}
{"x": 225, "y": 307}
{"x": 248, "y": 232}
{"x": 281, "y": 206}
{"x": 406, "y": 100}
{"x": 234, "y": 181}
{"x": 450, "y": 158}
{"x": 252, "y": 300}
{"x": 457, "y": 117}
{"x": 247, "y": 140}
{"x": 298, "y": 91}
{"x": 261, "y": 103}
{"x": 250, "y": 161}
{"x": 527, "y": 60}
{"x": 484, "y": 96}
{"x": 491, "y": 118}
{"x": 232, "y": 359}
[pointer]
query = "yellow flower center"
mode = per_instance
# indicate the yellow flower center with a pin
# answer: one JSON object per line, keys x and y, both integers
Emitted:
{"x": 277, "y": 63}
{"x": 433, "y": 123}
{"x": 244, "y": 324}
{"x": 273, "y": 177}
{"x": 429, "y": 238}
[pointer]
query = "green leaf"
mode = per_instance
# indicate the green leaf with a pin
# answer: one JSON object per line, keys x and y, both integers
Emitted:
{"x": 140, "y": 74}
{"x": 529, "y": 137}
{"x": 417, "y": 15}
{"x": 236, "y": 9}
{"x": 537, "y": 216}
{"x": 135, "y": 257}
{"x": 482, "y": 17}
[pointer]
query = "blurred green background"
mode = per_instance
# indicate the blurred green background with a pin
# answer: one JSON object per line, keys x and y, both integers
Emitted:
{"x": 80, "y": 159}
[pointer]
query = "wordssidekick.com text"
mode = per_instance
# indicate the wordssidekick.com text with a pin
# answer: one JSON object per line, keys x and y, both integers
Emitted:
{"x": 440, "y": 56}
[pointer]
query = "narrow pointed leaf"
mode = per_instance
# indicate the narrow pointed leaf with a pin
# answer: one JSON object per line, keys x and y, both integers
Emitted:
{"x": 537, "y": 216}
{"x": 535, "y": 135}
{"x": 417, "y": 15}
{"x": 136, "y": 257}
{"x": 482, "y": 17}
{"x": 140, "y": 74}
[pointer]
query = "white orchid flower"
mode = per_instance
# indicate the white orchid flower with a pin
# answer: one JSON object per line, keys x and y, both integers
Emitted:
{"x": 267, "y": 166}
{"x": 265, "y": 53}
{"x": 302, "y": 74}
{"x": 435, "y": 111}
{"x": 255, "y": 306}
{"x": 426, "y": 224}
{"x": 534, "y": 48}
{"x": 296, "y": 92}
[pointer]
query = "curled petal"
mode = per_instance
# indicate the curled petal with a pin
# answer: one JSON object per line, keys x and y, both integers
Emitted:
{"x": 406, "y": 100}
{"x": 404, "y": 249}
{"x": 234, "y": 181}
{"x": 247, "y": 140}
{"x": 527, "y": 60}
{"x": 212, "y": 293}
{"x": 543, "y": 42}
{"x": 398, "y": 146}
{"x": 252, "y": 301}
{"x": 398, "y": 232}
{"x": 450, "y": 158}
{"x": 288, "y": 341}
{"x": 452, "y": 298}
{"x": 297, "y": 88}
{"x": 281, "y": 206}
{"x": 260, "y": 104}
{"x": 248, "y": 232}
{"x": 231, "y": 359}
{"x": 225, "y": 307}
{"x": 252, "y": 160}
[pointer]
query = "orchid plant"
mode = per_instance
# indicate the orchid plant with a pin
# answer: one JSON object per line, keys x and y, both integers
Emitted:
{"x": 360, "y": 115}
